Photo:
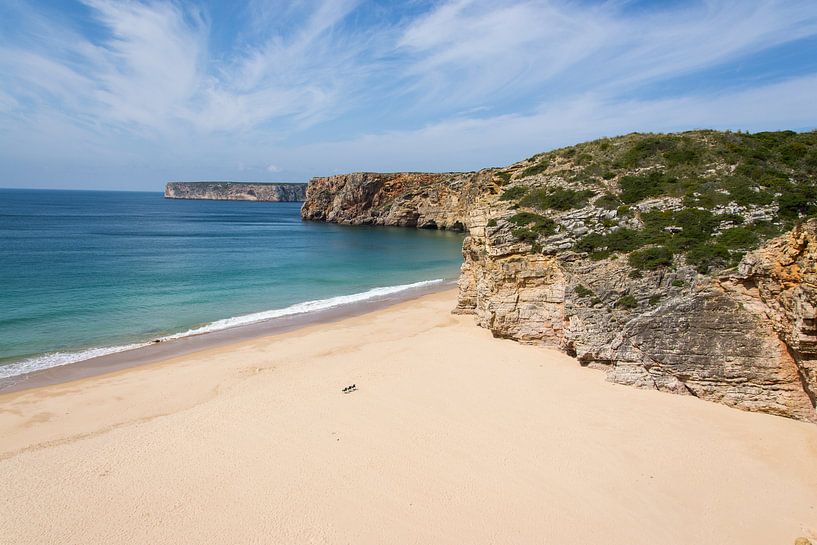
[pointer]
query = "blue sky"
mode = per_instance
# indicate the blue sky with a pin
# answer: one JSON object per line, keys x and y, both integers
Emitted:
{"x": 128, "y": 95}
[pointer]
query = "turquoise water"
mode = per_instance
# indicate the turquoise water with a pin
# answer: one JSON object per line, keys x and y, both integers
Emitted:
{"x": 82, "y": 271}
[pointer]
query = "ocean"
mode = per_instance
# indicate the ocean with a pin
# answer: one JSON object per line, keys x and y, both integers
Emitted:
{"x": 89, "y": 273}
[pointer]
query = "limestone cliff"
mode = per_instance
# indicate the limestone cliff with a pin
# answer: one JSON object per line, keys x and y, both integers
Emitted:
{"x": 685, "y": 263}
{"x": 236, "y": 191}
{"x": 408, "y": 199}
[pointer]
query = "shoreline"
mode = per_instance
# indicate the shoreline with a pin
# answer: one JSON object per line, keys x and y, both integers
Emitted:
{"x": 153, "y": 351}
{"x": 451, "y": 436}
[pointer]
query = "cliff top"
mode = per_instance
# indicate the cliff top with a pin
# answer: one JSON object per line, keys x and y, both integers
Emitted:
{"x": 707, "y": 196}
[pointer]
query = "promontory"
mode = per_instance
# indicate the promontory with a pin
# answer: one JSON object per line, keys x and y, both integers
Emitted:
{"x": 682, "y": 262}
{"x": 236, "y": 191}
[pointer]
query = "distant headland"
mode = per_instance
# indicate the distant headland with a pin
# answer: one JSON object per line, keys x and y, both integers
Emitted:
{"x": 236, "y": 191}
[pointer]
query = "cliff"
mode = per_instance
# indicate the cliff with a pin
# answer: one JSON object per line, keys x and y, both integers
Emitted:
{"x": 685, "y": 263}
{"x": 407, "y": 199}
{"x": 236, "y": 191}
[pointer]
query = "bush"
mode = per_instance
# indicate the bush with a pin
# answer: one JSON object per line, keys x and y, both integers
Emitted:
{"x": 628, "y": 302}
{"x": 646, "y": 148}
{"x": 678, "y": 283}
{"x": 504, "y": 177}
{"x": 513, "y": 193}
{"x": 492, "y": 222}
{"x": 556, "y": 199}
{"x": 738, "y": 238}
{"x": 706, "y": 256}
{"x": 535, "y": 169}
{"x": 638, "y": 188}
{"x": 650, "y": 259}
{"x": 608, "y": 201}
{"x": 525, "y": 235}
{"x": 581, "y": 291}
{"x": 535, "y": 222}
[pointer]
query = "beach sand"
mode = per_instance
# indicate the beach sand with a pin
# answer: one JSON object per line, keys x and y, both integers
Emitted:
{"x": 452, "y": 437}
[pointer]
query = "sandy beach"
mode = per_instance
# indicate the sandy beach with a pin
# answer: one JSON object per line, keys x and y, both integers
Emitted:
{"x": 451, "y": 437}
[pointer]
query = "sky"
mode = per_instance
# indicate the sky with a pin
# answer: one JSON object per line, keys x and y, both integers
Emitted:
{"x": 101, "y": 94}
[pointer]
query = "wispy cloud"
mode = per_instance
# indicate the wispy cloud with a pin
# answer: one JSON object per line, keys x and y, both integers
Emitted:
{"x": 321, "y": 85}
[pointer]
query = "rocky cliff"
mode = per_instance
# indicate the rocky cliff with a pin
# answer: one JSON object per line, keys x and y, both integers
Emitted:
{"x": 408, "y": 199}
{"x": 236, "y": 191}
{"x": 685, "y": 263}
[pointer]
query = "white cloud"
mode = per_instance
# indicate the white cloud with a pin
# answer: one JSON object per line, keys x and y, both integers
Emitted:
{"x": 324, "y": 85}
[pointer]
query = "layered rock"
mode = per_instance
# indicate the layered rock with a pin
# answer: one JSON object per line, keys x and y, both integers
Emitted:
{"x": 568, "y": 250}
{"x": 407, "y": 199}
{"x": 236, "y": 191}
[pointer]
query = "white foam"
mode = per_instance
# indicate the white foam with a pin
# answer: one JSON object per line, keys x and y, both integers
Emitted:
{"x": 56, "y": 359}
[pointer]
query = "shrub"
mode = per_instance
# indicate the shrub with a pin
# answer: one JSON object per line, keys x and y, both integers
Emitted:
{"x": 646, "y": 148}
{"x": 655, "y": 299}
{"x": 678, "y": 283}
{"x": 628, "y": 302}
{"x": 513, "y": 193}
{"x": 581, "y": 291}
{"x": 600, "y": 246}
{"x": 650, "y": 259}
{"x": 535, "y": 222}
{"x": 525, "y": 235}
{"x": 638, "y": 188}
{"x": 504, "y": 177}
{"x": 492, "y": 222}
{"x": 706, "y": 256}
{"x": 797, "y": 203}
{"x": 608, "y": 201}
{"x": 738, "y": 237}
{"x": 533, "y": 170}
{"x": 556, "y": 199}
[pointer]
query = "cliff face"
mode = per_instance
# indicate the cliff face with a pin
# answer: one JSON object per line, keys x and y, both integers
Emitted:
{"x": 683, "y": 263}
{"x": 236, "y": 191}
{"x": 408, "y": 199}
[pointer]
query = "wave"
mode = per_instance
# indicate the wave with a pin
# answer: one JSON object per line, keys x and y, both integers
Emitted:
{"x": 56, "y": 359}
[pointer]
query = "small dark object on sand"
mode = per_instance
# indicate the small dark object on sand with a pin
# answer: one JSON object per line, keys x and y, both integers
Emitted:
{"x": 349, "y": 389}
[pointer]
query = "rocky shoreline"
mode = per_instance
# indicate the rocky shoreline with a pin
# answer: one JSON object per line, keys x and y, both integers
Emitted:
{"x": 670, "y": 261}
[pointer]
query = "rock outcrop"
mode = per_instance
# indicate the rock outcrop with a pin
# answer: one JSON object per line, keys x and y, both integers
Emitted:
{"x": 236, "y": 191}
{"x": 406, "y": 199}
{"x": 681, "y": 263}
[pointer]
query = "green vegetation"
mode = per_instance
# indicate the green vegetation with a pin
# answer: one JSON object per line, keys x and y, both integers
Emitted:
{"x": 608, "y": 201}
{"x": 533, "y": 170}
{"x": 556, "y": 199}
{"x": 533, "y": 222}
{"x": 764, "y": 174}
{"x": 651, "y": 258}
{"x": 678, "y": 283}
{"x": 513, "y": 193}
{"x": 492, "y": 222}
{"x": 582, "y": 291}
{"x": 504, "y": 177}
{"x": 655, "y": 299}
{"x": 628, "y": 302}
{"x": 638, "y": 188}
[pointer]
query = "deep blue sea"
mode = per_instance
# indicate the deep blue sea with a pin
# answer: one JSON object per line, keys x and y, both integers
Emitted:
{"x": 85, "y": 273}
